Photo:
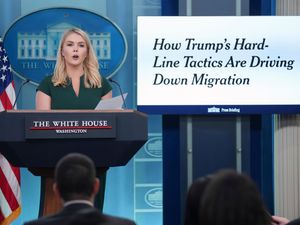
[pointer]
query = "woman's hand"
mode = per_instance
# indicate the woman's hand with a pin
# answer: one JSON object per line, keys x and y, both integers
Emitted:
{"x": 279, "y": 220}
{"x": 107, "y": 96}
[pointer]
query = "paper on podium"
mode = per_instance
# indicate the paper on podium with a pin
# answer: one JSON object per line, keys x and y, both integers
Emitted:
{"x": 112, "y": 103}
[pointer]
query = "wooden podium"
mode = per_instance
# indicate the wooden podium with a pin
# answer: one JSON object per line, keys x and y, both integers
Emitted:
{"x": 38, "y": 139}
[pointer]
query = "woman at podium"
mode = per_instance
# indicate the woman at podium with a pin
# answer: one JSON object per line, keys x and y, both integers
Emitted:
{"x": 76, "y": 82}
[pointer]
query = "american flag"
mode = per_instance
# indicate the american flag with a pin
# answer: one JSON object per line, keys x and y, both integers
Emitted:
{"x": 10, "y": 193}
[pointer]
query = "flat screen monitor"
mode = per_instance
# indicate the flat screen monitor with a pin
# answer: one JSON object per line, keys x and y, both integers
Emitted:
{"x": 218, "y": 65}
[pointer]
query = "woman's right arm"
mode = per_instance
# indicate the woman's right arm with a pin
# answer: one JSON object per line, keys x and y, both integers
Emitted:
{"x": 42, "y": 101}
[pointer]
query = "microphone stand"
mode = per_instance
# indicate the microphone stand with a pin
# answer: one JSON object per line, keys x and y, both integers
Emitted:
{"x": 120, "y": 90}
{"x": 22, "y": 85}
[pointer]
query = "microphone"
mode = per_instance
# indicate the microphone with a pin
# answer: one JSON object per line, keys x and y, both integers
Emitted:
{"x": 120, "y": 90}
{"x": 22, "y": 85}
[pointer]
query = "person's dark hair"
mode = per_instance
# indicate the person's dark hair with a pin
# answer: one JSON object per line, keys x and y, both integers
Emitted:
{"x": 193, "y": 200}
{"x": 75, "y": 176}
{"x": 232, "y": 199}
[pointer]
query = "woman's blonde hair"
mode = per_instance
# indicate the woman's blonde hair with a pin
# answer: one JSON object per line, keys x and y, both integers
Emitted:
{"x": 92, "y": 77}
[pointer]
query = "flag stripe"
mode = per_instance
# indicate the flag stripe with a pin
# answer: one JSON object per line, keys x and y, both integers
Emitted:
{"x": 8, "y": 193}
{"x": 14, "y": 170}
{"x": 12, "y": 176}
{"x": 5, "y": 208}
{"x": 5, "y": 101}
{"x": 10, "y": 91}
{"x": 1, "y": 215}
{"x": 1, "y": 109}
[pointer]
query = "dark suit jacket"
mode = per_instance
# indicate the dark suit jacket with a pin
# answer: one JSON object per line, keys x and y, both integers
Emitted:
{"x": 80, "y": 214}
{"x": 294, "y": 222}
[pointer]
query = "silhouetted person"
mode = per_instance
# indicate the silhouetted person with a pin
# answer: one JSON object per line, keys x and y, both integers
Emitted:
{"x": 76, "y": 185}
{"x": 232, "y": 199}
{"x": 193, "y": 200}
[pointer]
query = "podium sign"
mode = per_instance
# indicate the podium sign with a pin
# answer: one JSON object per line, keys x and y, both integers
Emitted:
{"x": 56, "y": 127}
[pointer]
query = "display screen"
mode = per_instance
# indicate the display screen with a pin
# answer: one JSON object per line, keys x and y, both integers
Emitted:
{"x": 211, "y": 65}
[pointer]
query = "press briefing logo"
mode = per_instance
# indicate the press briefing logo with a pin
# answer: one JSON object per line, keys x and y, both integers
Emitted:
{"x": 153, "y": 147}
{"x": 213, "y": 110}
{"x": 33, "y": 40}
{"x": 153, "y": 197}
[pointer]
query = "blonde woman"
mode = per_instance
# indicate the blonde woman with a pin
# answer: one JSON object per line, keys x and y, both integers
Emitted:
{"x": 76, "y": 82}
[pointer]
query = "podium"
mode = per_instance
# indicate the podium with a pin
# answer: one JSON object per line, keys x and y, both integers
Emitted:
{"x": 38, "y": 139}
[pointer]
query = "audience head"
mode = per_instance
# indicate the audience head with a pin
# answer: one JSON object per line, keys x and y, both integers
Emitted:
{"x": 232, "y": 199}
{"x": 193, "y": 200}
{"x": 75, "y": 178}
